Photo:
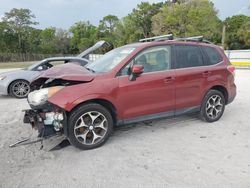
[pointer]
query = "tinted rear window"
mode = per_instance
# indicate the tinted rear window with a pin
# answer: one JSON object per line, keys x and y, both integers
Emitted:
{"x": 213, "y": 55}
{"x": 188, "y": 56}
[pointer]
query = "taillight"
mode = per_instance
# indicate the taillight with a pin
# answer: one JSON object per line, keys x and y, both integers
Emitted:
{"x": 231, "y": 69}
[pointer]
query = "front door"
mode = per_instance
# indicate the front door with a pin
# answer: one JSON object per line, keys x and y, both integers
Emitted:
{"x": 153, "y": 92}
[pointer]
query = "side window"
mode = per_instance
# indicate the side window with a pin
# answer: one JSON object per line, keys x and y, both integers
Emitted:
{"x": 213, "y": 55}
{"x": 153, "y": 59}
{"x": 55, "y": 63}
{"x": 188, "y": 56}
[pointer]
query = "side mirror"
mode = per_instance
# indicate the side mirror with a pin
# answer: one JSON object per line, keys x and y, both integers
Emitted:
{"x": 136, "y": 70}
{"x": 40, "y": 68}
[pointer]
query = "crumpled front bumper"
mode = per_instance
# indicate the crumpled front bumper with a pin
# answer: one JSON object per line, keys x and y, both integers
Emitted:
{"x": 47, "y": 120}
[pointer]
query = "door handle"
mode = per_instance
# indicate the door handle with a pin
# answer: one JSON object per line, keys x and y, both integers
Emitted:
{"x": 206, "y": 73}
{"x": 169, "y": 79}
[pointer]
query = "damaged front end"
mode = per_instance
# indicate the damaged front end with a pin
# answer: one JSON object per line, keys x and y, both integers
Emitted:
{"x": 46, "y": 117}
{"x": 48, "y": 121}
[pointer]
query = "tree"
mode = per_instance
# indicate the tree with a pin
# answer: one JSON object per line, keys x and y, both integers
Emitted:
{"x": 137, "y": 24}
{"x": 108, "y": 24}
{"x": 244, "y": 34}
{"x": 142, "y": 16}
{"x": 84, "y": 35}
{"x": 237, "y": 35}
{"x": 188, "y": 18}
{"x": 62, "y": 41}
{"x": 33, "y": 41}
{"x": 126, "y": 32}
{"x": 47, "y": 43}
{"x": 19, "y": 22}
{"x": 107, "y": 27}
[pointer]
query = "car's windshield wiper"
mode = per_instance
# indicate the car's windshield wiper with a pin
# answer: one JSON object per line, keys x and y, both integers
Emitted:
{"x": 91, "y": 70}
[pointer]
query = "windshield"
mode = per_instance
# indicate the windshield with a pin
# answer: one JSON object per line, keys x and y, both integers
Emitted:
{"x": 110, "y": 59}
{"x": 31, "y": 67}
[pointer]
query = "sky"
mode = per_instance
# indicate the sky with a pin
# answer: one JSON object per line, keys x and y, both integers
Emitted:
{"x": 64, "y": 13}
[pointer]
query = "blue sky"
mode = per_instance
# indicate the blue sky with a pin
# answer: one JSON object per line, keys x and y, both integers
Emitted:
{"x": 64, "y": 13}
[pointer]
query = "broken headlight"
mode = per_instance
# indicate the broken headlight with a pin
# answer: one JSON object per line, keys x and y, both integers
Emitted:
{"x": 39, "y": 97}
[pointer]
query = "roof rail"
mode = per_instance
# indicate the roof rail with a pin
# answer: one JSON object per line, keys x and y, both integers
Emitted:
{"x": 158, "y": 38}
{"x": 194, "y": 39}
{"x": 171, "y": 37}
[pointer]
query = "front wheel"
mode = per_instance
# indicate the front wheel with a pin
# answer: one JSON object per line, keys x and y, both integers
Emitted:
{"x": 213, "y": 106}
{"x": 90, "y": 126}
{"x": 19, "y": 89}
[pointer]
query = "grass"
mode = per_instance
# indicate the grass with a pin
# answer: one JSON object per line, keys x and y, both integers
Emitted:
{"x": 10, "y": 65}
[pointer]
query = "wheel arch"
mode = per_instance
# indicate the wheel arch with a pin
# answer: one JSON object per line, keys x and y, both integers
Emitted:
{"x": 222, "y": 89}
{"x": 105, "y": 103}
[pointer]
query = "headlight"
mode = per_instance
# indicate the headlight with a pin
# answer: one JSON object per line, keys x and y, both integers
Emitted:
{"x": 39, "y": 97}
{"x": 2, "y": 77}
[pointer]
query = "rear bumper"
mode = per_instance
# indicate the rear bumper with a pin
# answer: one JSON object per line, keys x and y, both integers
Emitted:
{"x": 232, "y": 93}
{"x": 230, "y": 100}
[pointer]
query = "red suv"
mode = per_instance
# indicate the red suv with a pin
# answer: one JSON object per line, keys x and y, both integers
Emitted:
{"x": 133, "y": 83}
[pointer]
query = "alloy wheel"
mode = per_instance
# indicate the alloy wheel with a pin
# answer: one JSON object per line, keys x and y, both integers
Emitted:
{"x": 90, "y": 128}
{"x": 20, "y": 89}
{"x": 214, "y": 106}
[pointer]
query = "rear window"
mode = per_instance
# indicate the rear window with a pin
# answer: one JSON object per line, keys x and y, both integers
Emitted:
{"x": 213, "y": 55}
{"x": 188, "y": 56}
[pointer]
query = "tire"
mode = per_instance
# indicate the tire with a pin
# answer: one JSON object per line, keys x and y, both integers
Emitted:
{"x": 89, "y": 126}
{"x": 19, "y": 89}
{"x": 213, "y": 106}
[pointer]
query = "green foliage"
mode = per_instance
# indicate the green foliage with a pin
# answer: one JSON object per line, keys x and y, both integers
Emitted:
{"x": 142, "y": 17}
{"x": 190, "y": 18}
{"x": 47, "y": 40}
{"x": 181, "y": 17}
{"x": 108, "y": 24}
{"x": 18, "y": 23}
{"x": 84, "y": 35}
{"x": 126, "y": 32}
{"x": 136, "y": 25}
{"x": 238, "y": 32}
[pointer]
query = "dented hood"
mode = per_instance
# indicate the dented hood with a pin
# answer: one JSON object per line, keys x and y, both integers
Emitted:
{"x": 68, "y": 71}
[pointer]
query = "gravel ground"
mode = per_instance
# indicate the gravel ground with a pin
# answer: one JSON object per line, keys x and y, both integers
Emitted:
{"x": 180, "y": 152}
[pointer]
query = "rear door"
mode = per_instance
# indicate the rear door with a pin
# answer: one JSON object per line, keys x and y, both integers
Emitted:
{"x": 191, "y": 76}
{"x": 153, "y": 91}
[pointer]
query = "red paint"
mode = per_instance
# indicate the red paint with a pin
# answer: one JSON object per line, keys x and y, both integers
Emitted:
{"x": 150, "y": 93}
{"x": 68, "y": 71}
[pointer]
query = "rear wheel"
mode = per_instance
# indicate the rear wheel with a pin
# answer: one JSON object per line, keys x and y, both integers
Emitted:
{"x": 19, "y": 89}
{"x": 213, "y": 106}
{"x": 90, "y": 126}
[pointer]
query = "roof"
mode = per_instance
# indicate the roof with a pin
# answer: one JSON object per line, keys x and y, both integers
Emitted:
{"x": 63, "y": 58}
{"x": 166, "y": 42}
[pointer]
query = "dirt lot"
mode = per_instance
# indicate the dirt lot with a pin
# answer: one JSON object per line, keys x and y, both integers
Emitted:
{"x": 181, "y": 152}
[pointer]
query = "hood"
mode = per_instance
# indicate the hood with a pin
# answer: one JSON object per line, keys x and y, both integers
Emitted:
{"x": 100, "y": 44}
{"x": 13, "y": 72}
{"x": 68, "y": 71}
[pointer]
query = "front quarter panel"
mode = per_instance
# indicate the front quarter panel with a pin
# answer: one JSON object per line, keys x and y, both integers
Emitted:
{"x": 71, "y": 96}
{"x": 16, "y": 75}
